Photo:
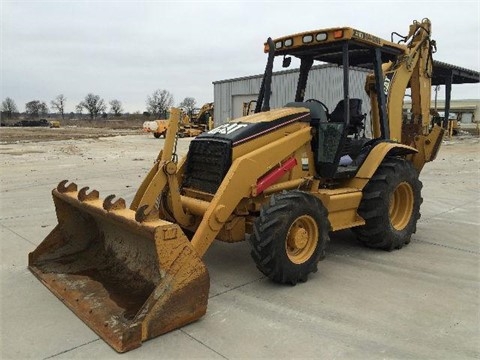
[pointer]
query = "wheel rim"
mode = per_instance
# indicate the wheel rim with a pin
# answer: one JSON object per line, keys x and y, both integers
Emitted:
{"x": 401, "y": 206}
{"x": 302, "y": 239}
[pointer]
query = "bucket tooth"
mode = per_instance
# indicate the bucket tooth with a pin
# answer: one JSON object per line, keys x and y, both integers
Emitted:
{"x": 117, "y": 205}
{"x": 142, "y": 216}
{"x": 70, "y": 188}
{"x": 128, "y": 281}
{"x": 84, "y": 196}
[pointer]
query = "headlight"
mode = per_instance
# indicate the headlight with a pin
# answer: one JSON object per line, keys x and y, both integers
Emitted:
{"x": 321, "y": 37}
{"x": 307, "y": 39}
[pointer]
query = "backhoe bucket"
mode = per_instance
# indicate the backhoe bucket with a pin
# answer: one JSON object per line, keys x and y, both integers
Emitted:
{"x": 128, "y": 280}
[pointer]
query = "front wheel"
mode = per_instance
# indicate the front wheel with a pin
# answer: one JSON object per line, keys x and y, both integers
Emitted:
{"x": 290, "y": 236}
{"x": 390, "y": 205}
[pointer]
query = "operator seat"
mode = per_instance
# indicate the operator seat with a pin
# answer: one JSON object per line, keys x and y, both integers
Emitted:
{"x": 317, "y": 112}
{"x": 356, "y": 117}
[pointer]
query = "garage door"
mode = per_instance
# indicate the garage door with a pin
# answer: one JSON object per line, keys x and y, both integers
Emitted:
{"x": 467, "y": 118}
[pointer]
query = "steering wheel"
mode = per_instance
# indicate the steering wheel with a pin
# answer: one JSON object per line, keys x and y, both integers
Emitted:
{"x": 321, "y": 103}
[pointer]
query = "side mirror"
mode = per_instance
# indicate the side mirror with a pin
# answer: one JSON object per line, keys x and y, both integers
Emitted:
{"x": 286, "y": 62}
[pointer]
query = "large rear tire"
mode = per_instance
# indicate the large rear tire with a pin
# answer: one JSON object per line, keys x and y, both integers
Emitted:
{"x": 290, "y": 236}
{"x": 390, "y": 206}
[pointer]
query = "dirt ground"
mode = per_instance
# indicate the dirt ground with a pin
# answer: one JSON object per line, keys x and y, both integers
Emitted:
{"x": 12, "y": 135}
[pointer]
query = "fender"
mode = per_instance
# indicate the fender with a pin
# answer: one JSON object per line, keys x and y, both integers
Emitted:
{"x": 375, "y": 158}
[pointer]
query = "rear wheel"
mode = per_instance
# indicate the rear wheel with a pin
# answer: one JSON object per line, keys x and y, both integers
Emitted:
{"x": 290, "y": 236}
{"x": 390, "y": 205}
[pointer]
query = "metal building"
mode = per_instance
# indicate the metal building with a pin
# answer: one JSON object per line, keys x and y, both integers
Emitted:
{"x": 468, "y": 110}
{"x": 325, "y": 83}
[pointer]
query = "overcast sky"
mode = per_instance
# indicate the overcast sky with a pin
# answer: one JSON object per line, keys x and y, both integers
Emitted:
{"x": 126, "y": 49}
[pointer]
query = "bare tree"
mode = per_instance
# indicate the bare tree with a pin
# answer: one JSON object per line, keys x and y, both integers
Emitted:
{"x": 116, "y": 107}
{"x": 36, "y": 108}
{"x": 93, "y": 104}
{"x": 59, "y": 104}
{"x": 9, "y": 108}
{"x": 189, "y": 104}
{"x": 159, "y": 103}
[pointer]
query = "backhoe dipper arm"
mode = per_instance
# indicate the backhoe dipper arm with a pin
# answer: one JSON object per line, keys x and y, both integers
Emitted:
{"x": 413, "y": 68}
{"x": 240, "y": 182}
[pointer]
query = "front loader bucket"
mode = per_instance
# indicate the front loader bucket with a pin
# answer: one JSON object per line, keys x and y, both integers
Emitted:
{"x": 128, "y": 280}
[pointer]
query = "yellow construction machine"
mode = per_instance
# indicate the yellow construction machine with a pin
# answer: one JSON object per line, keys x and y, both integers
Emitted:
{"x": 156, "y": 127}
{"x": 282, "y": 178}
{"x": 189, "y": 126}
{"x": 199, "y": 121}
{"x": 249, "y": 107}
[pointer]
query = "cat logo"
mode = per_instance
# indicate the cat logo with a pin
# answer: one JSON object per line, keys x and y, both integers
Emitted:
{"x": 227, "y": 129}
{"x": 386, "y": 85}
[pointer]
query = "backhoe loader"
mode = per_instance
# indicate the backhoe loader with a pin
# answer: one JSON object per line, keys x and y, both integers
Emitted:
{"x": 282, "y": 178}
{"x": 198, "y": 121}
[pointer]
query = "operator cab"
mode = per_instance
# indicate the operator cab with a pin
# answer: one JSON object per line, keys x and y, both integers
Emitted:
{"x": 339, "y": 143}
{"x": 329, "y": 129}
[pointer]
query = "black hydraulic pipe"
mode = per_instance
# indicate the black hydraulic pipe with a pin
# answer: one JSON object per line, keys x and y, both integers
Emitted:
{"x": 258, "y": 106}
{"x": 346, "y": 83}
{"x": 305, "y": 66}
{"x": 266, "y": 86}
{"x": 269, "y": 72}
{"x": 381, "y": 99}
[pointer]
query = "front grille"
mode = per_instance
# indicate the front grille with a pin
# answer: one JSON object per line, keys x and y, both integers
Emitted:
{"x": 207, "y": 164}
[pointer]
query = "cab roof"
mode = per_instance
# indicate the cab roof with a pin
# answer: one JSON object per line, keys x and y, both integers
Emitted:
{"x": 326, "y": 45}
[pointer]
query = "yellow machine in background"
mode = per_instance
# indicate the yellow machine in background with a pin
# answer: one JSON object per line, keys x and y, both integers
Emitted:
{"x": 249, "y": 107}
{"x": 156, "y": 127}
{"x": 453, "y": 127}
{"x": 200, "y": 120}
{"x": 54, "y": 124}
{"x": 189, "y": 126}
{"x": 285, "y": 176}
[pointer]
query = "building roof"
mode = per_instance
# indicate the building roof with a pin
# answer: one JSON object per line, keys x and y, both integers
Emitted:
{"x": 442, "y": 71}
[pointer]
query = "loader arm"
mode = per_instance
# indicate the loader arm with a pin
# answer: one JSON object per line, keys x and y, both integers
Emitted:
{"x": 160, "y": 175}
{"x": 240, "y": 181}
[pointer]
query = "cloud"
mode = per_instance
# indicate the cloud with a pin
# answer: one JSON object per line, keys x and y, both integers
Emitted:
{"x": 126, "y": 49}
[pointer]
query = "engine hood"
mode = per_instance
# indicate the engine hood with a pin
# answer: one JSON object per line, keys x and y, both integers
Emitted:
{"x": 249, "y": 127}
